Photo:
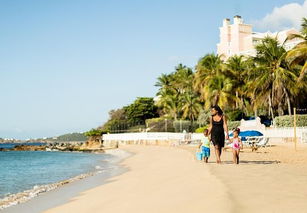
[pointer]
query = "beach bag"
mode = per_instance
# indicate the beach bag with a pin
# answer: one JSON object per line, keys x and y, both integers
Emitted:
{"x": 199, "y": 155}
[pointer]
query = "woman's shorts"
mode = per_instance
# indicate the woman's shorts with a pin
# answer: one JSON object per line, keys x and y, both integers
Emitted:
{"x": 205, "y": 151}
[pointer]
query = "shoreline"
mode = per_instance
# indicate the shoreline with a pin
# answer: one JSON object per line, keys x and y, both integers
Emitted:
{"x": 24, "y": 196}
{"x": 15, "y": 202}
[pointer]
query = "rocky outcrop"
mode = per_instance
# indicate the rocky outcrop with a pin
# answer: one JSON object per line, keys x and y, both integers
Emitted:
{"x": 94, "y": 144}
{"x": 75, "y": 147}
{"x": 28, "y": 148}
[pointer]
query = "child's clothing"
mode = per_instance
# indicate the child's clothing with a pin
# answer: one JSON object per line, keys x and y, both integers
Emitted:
{"x": 235, "y": 143}
{"x": 205, "y": 147}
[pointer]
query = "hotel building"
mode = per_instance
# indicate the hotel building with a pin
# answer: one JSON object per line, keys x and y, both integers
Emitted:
{"x": 239, "y": 39}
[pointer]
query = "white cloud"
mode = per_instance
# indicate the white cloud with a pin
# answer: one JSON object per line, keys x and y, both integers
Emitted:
{"x": 287, "y": 16}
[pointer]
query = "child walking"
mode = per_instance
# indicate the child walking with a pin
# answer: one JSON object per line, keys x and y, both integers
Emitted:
{"x": 205, "y": 146}
{"x": 237, "y": 145}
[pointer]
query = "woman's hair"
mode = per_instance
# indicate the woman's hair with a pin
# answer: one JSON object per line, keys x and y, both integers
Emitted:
{"x": 237, "y": 130}
{"x": 218, "y": 109}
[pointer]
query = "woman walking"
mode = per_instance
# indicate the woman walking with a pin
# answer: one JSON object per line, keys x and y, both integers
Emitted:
{"x": 217, "y": 128}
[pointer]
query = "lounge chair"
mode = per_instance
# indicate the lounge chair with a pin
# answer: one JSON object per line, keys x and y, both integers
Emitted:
{"x": 251, "y": 141}
{"x": 263, "y": 142}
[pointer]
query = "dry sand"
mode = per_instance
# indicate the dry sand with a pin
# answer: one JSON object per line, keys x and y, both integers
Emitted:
{"x": 167, "y": 179}
{"x": 273, "y": 179}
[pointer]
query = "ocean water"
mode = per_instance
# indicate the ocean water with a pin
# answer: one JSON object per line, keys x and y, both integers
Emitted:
{"x": 25, "y": 170}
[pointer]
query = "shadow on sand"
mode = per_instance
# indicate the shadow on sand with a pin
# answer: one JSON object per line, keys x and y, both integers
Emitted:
{"x": 253, "y": 162}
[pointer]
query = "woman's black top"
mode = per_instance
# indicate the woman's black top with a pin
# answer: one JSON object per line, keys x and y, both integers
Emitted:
{"x": 217, "y": 133}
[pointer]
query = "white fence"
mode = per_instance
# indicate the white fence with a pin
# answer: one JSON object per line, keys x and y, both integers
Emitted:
{"x": 151, "y": 136}
{"x": 301, "y": 133}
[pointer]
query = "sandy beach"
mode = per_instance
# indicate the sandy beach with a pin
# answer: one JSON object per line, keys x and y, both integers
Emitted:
{"x": 273, "y": 179}
{"x": 168, "y": 179}
{"x": 160, "y": 179}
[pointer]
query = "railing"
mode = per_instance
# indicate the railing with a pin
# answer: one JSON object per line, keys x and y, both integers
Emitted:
{"x": 285, "y": 132}
{"x": 152, "y": 136}
{"x": 301, "y": 133}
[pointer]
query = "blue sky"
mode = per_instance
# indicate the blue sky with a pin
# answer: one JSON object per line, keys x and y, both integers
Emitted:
{"x": 65, "y": 63}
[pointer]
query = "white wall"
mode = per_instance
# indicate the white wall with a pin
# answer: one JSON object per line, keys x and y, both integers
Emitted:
{"x": 269, "y": 132}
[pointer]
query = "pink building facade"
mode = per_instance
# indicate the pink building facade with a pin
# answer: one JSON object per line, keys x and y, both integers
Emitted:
{"x": 239, "y": 39}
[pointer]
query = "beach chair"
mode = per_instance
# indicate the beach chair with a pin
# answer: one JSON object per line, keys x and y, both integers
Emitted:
{"x": 252, "y": 141}
{"x": 263, "y": 142}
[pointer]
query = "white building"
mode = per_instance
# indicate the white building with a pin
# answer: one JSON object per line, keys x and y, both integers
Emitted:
{"x": 239, "y": 39}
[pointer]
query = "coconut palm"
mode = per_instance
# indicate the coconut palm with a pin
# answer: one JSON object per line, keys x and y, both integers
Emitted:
{"x": 275, "y": 79}
{"x": 173, "y": 91}
{"x": 169, "y": 105}
{"x": 297, "y": 57}
{"x": 218, "y": 91}
{"x": 236, "y": 69}
{"x": 163, "y": 81}
{"x": 208, "y": 69}
{"x": 183, "y": 79}
{"x": 190, "y": 106}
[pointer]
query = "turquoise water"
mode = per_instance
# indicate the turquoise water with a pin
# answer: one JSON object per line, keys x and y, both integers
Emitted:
{"x": 22, "y": 170}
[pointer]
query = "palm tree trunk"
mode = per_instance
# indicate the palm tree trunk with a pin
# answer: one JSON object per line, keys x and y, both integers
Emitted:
{"x": 280, "y": 110}
{"x": 175, "y": 116}
{"x": 217, "y": 98}
{"x": 270, "y": 106}
{"x": 288, "y": 101}
{"x": 237, "y": 97}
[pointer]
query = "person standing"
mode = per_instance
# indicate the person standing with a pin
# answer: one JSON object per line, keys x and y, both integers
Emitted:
{"x": 218, "y": 127}
{"x": 236, "y": 145}
{"x": 204, "y": 146}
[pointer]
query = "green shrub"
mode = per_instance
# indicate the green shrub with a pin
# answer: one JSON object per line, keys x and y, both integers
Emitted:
{"x": 137, "y": 128}
{"x": 287, "y": 121}
{"x": 233, "y": 124}
{"x": 201, "y": 129}
{"x": 158, "y": 125}
{"x": 94, "y": 132}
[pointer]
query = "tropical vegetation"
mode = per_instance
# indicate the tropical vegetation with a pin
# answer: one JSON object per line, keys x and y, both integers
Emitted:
{"x": 269, "y": 84}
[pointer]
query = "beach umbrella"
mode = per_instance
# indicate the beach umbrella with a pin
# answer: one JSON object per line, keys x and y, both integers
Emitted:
{"x": 248, "y": 133}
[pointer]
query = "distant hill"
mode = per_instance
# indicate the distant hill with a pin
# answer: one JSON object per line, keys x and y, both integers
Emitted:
{"x": 71, "y": 137}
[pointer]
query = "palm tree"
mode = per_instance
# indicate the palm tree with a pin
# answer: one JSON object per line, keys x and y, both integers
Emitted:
{"x": 297, "y": 57}
{"x": 169, "y": 105}
{"x": 218, "y": 91}
{"x": 207, "y": 66}
{"x": 209, "y": 70}
{"x": 183, "y": 79}
{"x": 191, "y": 106}
{"x": 236, "y": 69}
{"x": 173, "y": 91}
{"x": 275, "y": 79}
{"x": 163, "y": 81}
